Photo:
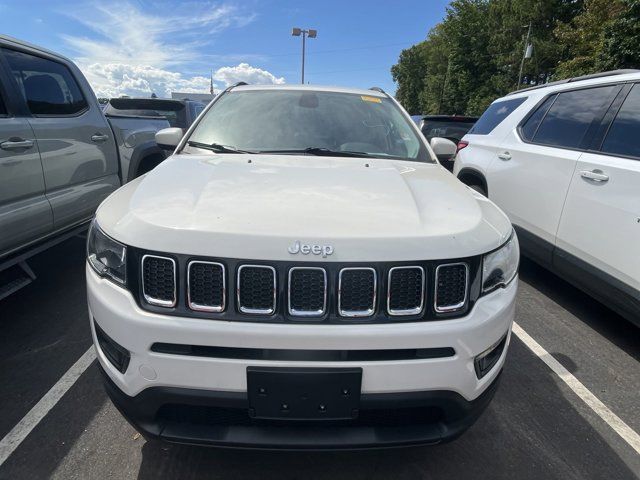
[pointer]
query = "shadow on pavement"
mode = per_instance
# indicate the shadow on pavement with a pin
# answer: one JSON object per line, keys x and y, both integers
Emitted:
{"x": 607, "y": 323}
{"x": 44, "y": 329}
{"x": 530, "y": 431}
{"x": 55, "y": 436}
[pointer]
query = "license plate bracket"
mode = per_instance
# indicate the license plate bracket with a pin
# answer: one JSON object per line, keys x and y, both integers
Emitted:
{"x": 304, "y": 393}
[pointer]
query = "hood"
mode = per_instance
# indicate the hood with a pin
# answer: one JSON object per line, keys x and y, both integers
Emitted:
{"x": 256, "y": 206}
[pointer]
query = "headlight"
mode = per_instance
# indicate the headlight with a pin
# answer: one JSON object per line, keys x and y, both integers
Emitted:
{"x": 107, "y": 257}
{"x": 501, "y": 266}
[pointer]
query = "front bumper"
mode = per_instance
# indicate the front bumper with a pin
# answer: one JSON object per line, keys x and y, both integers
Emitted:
{"x": 203, "y": 417}
{"x": 157, "y": 390}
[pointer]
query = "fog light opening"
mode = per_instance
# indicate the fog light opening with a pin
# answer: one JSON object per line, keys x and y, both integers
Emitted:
{"x": 486, "y": 360}
{"x": 116, "y": 354}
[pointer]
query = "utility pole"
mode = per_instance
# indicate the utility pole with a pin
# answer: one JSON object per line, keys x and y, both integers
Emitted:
{"x": 297, "y": 32}
{"x": 444, "y": 84}
{"x": 525, "y": 54}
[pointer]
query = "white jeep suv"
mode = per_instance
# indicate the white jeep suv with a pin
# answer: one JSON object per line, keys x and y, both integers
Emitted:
{"x": 563, "y": 162}
{"x": 301, "y": 273}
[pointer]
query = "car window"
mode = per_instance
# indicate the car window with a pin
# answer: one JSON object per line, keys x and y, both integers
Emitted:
{"x": 3, "y": 108}
{"x": 623, "y": 137}
{"x": 570, "y": 116}
{"x": 494, "y": 115}
{"x": 48, "y": 87}
{"x": 451, "y": 130}
{"x": 295, "y": 120}
{"x": 530, "y": 127}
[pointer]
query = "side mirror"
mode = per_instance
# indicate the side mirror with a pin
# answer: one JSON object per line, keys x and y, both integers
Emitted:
{"x": 443, "y": 148}
{"x": 169, "y": 138}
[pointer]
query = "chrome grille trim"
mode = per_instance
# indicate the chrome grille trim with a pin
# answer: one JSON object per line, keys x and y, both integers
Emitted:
{"x": 206, "y": 308}
{"x": 307, "y": 313}
{"x": 358, "y": 313}
{"x": 412, "y": 311}
{"x": 458, "y": 306}
{"x": 158, "y": 301}
{"x": 257, "y": 311}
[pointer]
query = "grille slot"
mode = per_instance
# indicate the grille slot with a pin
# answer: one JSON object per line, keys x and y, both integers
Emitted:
{"x": 256, "y": 289}
{"x": 405, "y": 294}
{"x": 451, "y": 287}
{"x": 159, "y": 280}
{"x": 307, "y": 291}
{"x": 357, "y": 292}
{"x": 206, "y": 286}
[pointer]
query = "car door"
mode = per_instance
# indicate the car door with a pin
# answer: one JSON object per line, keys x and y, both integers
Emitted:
{"x": 25, "y": 213}
{"x": 530, "y": 178}
{"x": 600, "y": 223}
{"x": 78, "y": 153}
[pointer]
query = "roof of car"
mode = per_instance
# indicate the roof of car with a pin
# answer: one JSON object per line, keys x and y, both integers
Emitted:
{"x": 313, "y": 88}
{"x": 7, "y": 40}
{"x": 624, "y": 75}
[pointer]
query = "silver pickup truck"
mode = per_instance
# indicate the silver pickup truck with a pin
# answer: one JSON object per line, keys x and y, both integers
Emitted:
{"x": 136, "y": 120}
{"x": 60, "y": 156}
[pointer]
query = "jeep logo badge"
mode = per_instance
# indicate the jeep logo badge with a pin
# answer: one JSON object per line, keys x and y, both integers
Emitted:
{"x": 305, "y": 249}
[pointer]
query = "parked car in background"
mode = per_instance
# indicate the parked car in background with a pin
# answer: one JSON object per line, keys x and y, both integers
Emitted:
{"x": 289, "y": 283}
{"x": 59, "y": 155}
{"x": 450, "y": 127}
{"x": 563, "y": 161}
{"x": 179, "y": 113}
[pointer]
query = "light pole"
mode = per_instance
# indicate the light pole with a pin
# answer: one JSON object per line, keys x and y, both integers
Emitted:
{"x": 296, "y": 32}
{"x": 528, "y": 50}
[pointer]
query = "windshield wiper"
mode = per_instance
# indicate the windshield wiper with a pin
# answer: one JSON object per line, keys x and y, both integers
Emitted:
{"x": 321, "y": 151}
{"x": 216, "y": 147}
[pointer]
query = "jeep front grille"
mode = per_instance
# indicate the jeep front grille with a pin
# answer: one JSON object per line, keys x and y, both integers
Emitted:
{"x": 307, "y": 291}
{"x": 256, "y": 289}
{"x": 357, "y": 292}
{"x": 159, "y": 280}
{"x": 206, "y": 286}
{"x": 451, "y": 287}
{"x": 405, "y": 290}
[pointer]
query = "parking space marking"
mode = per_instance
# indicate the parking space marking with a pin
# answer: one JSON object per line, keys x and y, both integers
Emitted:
{"x": 616, "y": 423}
{"x": 18, "y": 433}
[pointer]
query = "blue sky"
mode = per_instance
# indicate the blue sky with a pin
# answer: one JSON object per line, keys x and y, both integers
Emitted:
{"x": 141, "y": 46}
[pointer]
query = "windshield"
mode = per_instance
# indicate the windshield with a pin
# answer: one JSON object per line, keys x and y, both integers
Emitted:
{"x": 310, "y": 122}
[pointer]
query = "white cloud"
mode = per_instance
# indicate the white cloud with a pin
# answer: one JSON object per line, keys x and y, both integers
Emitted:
{"x": 123, "y": 33}
{"x": 246, "y": 73}
{"x": 135, "y": 52}
{"x": 115, "y": 79}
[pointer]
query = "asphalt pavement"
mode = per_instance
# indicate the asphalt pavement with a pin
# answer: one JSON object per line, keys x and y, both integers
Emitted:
{"x": 536, "y": 427}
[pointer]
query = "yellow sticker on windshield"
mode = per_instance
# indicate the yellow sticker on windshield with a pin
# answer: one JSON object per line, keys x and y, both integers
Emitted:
{"x": 366, "y": 98}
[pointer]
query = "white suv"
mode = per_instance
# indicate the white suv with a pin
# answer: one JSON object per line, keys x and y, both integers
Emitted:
{"x": 563, "y": 162}
{"x": 301, "y": 273}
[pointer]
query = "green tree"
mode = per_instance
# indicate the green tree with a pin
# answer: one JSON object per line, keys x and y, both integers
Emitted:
{"x": 409, "y": 73}
{"x": 621, "y": 42}
{"x": 581, "y": 41}
{"x": 473, "y": 56}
